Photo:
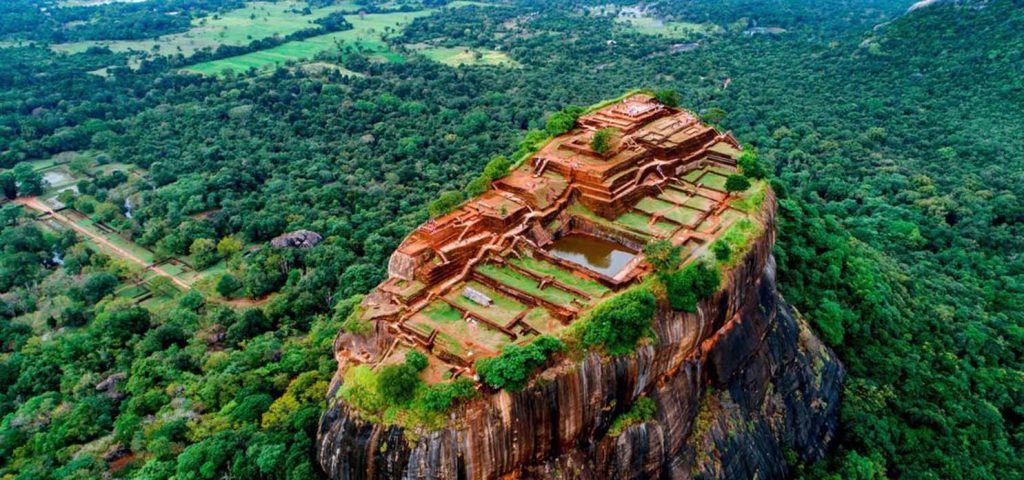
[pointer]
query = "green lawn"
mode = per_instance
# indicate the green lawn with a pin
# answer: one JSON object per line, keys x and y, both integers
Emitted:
{"x": 692, "y": 175}
{"x": 700, "y": 203}
{"x": 367, "y": 34}
{"x": 731, "y": 216}
{"x": 652, "y": 205}
{"x": 409, "y": 288}
{"x": 543, "y": 268}
{"x": 713, "y": 180}
{"x": 255, "y": 21}
{"x": 683, "y": 215}
{"x": 455, "y": 335}
{"x": 721, "y": 170}
{"x": 638, "y": 222}
{"x": 141, "y": 253}
{"x": 439, "y": 311}
{"x": 465, "y": 56}
{"x": 526, "y": 284}
{"x": 673, "y": 195}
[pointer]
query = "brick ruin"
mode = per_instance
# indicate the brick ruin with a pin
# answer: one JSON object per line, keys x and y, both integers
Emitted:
{"x": 489, "y": 273}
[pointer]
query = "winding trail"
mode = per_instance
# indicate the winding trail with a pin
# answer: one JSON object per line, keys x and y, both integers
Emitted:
{"x": 35, "y": 204}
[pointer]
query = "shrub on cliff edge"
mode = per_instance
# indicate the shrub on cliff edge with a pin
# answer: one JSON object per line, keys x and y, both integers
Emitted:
{"x": 688, "y": 286}
{"x": 618, "y": 323}
{"x": 641, "y": 411}
{"x": 512, "y": 369}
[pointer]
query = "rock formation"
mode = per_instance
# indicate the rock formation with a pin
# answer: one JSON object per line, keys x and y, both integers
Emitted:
{"x": 297, "y": 239}
{"x": 737, "y": 386}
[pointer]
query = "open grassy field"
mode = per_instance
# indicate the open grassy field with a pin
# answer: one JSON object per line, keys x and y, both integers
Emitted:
{"x": 239, "y": 27}
{"x": 465, "y": 56}
{"x": 367, "y": 34}
{"x": 658, "y": 27}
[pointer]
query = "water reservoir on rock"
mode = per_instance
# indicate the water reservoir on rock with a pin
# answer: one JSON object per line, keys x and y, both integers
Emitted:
{"x": 597, "y": 254}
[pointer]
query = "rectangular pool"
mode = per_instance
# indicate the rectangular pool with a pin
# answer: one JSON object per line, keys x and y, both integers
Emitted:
{"x": 597, "y": 254}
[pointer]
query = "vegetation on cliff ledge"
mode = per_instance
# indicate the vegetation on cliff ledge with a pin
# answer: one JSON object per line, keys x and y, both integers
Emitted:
{"x": 515, "y": 365}
{"x": 397, "y": 394}
{"x": 617, "y": 324}
{"x": 641, "y": 411}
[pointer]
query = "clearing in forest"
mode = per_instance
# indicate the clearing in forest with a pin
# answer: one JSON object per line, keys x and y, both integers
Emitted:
{"x": 255, "y": 21}
{"x": 368, "y": 34}
{"x": 464, "y": 56}
{"x": 654, "y": 26}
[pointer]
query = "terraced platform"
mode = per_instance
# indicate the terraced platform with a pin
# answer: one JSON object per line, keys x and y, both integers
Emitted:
{"x": 555, "y": 237}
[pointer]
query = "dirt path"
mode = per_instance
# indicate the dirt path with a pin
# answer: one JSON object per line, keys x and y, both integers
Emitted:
{"x": 35, "y": 204}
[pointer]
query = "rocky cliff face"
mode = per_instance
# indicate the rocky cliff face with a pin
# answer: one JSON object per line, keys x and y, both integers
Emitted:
{"x": 738, "y": 386}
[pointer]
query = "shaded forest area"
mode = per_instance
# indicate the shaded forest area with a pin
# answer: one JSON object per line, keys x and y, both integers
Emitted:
{"x": 897, "y": 146}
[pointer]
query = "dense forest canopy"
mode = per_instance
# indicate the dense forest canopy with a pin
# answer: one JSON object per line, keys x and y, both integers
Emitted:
{"x": 895, "y": 138}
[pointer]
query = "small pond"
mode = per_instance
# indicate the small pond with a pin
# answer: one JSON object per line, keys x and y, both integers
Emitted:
{"x": 597, "y": 254}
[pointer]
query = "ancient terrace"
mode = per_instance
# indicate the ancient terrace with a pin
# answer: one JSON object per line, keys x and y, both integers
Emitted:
{"x": 552, "y": 239}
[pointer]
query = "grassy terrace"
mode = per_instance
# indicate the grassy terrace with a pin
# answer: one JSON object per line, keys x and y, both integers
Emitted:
{"x": 543, "y": 268}
{"x": 409, "y": 288}
{"x": 738, "y": 236}
{"x": 700, "y": 203}
{"x": 683, "y": 215}
{"x": 526, "y": 284}
{"x": 713, "y": 180}
{"x": 639, "y": 223}
{"x": 502, "y": 311}
{"x": 441, "y": 312}
{"x": 721, "y": 170}
{"x": 542, "y": 321}
{"x": 653, "y": 205}
{"x": 581, "y": 211}
{"x": 455, "y": 335}
{"x": 673, "y": 195}
{"x": 692, "y": 176}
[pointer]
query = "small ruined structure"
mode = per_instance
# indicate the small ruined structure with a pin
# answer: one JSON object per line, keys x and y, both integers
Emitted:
{"x": 297, "y": 239}
{"x": 475, "y": 295}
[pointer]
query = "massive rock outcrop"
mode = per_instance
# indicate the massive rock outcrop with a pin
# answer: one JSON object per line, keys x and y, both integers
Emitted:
{"x": 738, "y": 386}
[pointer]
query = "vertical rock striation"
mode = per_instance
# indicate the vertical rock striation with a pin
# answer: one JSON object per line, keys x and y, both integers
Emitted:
{"x": 739, "y": 386}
